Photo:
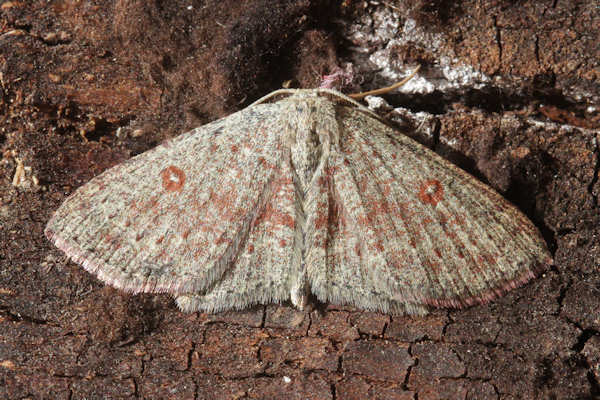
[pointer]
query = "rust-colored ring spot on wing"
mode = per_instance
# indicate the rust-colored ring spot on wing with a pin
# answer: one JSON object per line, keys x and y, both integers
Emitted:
{"x": 431, "y": 192}
{"x": 173, "y": 179}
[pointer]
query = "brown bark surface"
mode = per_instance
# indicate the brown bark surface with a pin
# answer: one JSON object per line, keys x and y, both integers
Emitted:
{"x": 87, "y": 84}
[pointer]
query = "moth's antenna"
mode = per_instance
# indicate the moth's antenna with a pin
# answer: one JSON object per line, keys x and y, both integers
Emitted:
{"x": 358, "y": 96}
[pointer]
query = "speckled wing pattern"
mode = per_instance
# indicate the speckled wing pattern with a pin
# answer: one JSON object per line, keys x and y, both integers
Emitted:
{"x": 304, "y": 193}
{"x": 410, "y": 230}
{"x": 176, "y": 218}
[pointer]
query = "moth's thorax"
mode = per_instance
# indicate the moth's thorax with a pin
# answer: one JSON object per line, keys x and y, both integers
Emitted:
{"x": 313, "y": 129}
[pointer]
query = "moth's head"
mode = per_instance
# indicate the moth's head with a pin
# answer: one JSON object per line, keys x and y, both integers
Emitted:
{"x": 312, "y": 97}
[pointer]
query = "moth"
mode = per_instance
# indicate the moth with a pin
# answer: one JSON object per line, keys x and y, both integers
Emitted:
{"x": 303, "y": 195}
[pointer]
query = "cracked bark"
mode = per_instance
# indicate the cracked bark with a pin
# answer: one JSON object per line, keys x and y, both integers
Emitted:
{"x": 87, "y": 85}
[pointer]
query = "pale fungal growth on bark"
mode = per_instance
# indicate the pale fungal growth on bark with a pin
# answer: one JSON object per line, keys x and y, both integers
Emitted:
{"x": 303, "y": 194}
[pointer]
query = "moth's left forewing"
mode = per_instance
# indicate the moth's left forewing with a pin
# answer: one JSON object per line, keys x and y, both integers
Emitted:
{"x": 418, "y": 230}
